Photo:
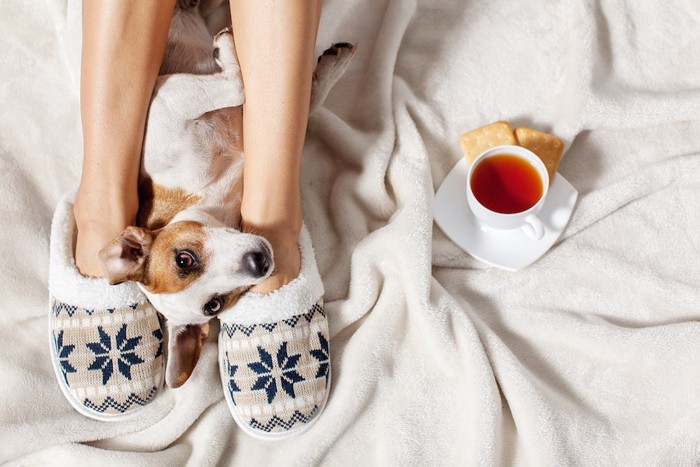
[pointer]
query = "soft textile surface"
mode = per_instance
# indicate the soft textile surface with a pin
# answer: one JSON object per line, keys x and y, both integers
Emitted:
{"x": 588, "y": 357}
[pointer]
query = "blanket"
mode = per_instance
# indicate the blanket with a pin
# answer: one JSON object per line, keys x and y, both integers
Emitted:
{"x": 587, "y": 357}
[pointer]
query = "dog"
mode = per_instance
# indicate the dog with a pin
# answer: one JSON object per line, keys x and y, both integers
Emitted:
{"x": 186, "y": 251}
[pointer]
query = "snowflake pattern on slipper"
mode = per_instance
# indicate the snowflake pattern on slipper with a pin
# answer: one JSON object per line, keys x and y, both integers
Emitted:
{"x": 109, "y": 361}
{"x": 276, "y": 374}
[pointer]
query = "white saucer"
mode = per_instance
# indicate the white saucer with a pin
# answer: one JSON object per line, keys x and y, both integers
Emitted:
{"x": 507, "y": 249}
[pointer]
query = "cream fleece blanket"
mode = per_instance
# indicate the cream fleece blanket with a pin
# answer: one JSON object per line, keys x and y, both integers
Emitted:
{"x": 588, "y": 357}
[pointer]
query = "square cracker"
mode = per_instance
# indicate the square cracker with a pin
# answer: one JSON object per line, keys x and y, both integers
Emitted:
{"x": 477, "y": 141}
{"x": 549, "y": 148}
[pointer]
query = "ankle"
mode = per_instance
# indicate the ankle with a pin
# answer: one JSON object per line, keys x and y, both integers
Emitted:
{"x": 272, "y": 217}
{"x": 104, "y": 208}
{"x": 274, "y": 228}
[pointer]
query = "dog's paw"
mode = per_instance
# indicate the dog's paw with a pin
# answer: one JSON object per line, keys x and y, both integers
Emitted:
{"x": 333, "y": 62}
{"x": 330, "y": 67}
{"x": 338, "y": 54}
{"x": 225, "y": 52}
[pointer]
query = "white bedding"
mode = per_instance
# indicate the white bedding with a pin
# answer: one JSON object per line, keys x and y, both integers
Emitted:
{"x": 591, "y": 356}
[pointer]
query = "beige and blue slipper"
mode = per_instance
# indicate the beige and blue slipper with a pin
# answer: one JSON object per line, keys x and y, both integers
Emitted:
{"x": 274, "y": 355}
{"x": 106, "y": 340}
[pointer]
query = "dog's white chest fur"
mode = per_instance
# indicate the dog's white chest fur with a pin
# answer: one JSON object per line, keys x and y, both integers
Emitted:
{"x": 193, "y": 140}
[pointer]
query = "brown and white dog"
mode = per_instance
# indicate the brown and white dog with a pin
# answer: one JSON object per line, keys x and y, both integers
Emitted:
{"x": 186, "y": 251}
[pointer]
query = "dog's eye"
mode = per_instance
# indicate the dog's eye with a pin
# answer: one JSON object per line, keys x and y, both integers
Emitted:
{"x": 214, "y": 306}
{"x": 185, "y": 259}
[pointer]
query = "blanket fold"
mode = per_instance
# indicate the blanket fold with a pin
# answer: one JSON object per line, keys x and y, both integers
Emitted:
{"x": 588, "y": 357}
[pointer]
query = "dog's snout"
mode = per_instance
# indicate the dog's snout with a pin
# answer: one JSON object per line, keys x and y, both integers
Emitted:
{"x": 257, "y": 263}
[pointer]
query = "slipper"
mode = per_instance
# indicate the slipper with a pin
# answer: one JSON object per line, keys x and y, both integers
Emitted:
{"x": 106, "y": 340}
{"x": 274, "y": 357}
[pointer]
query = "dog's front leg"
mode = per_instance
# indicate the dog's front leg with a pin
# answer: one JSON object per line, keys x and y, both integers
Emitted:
{"x": 191, "y": 96}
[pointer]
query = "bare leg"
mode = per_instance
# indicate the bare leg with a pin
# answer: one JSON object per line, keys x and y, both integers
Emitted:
{"x": 123, "y": 45}
{"x": 275, "y": 45}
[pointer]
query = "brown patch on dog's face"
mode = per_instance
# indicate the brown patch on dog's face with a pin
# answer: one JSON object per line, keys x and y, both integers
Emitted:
{"x": 178, "y": 257}
{"x": 159, "y": 205}
{"x": 233, "y": 297}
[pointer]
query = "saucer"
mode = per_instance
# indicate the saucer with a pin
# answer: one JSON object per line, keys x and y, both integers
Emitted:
{"x": 506, "y": 249}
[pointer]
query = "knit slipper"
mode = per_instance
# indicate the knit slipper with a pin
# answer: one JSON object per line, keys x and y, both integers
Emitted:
{"x": 274, "y": 357}
{"x": 106, "y": 340}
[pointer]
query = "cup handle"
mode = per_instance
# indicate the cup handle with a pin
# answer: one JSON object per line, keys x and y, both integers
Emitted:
{"x": 533, "y": 227}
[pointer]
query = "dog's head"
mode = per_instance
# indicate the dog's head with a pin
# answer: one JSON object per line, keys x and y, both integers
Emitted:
{"x": 190, "y": 273}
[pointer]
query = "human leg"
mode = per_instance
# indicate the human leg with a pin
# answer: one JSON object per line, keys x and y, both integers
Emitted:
{"x": 123, "y": 45}
{"x": 275, "y": 45}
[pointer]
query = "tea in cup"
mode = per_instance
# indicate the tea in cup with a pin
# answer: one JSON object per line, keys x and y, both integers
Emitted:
{"x": 506, "y": 188}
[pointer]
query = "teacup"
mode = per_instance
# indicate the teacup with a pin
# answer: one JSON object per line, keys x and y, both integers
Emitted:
{"x": 506, "y": 188}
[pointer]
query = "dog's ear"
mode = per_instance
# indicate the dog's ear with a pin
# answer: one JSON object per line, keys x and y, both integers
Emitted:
{"x": 184, "y": 346}
{"x": 124, "y": 258}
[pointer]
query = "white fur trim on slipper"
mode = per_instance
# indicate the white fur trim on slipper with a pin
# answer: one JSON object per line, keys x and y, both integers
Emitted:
{"x": 65, "y": 281}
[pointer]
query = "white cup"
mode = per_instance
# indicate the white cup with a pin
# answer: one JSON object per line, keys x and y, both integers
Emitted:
{"x": 526, "y": 220}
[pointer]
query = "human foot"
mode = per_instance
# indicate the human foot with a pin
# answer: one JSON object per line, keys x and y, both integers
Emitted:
{"x": 99, "y": 219}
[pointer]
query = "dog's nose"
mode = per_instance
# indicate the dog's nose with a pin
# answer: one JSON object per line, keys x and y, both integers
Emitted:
{"x": 257, "y": 263}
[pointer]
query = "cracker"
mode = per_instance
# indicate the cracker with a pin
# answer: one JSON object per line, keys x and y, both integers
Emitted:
{"x": 549, "y": 148}
{"x": 477, "y": 141}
